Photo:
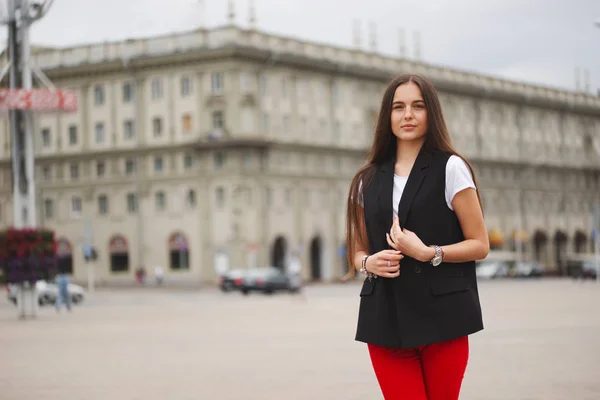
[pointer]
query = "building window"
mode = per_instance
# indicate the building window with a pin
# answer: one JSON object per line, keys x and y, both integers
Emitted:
{"x": 264, "y": 84}
{"x": 266, "y": 123}
{"x": 191, "y": 198}
{"x": 132, "y": 202}
{"x": 269, "y": 197}
{"x": 46, "y": 137}
{"x": 248, "y": 159}
{"x": 284, "y": 87}
{"x": 128, "y": 92}
{"x": 220, "y": 197}
{"x": 128, "y": 129}
{"x": 286, "y": 125}
{"x": 288, "y": 196}
{"x": 47, "y": 173}
{"x": 186, "y": 123}
{"x": 130, "y": 166}
{"x": 74, "y": 171}
{"x": 218, "y": 120}
{"x": 73, "y": 139}
{"x": 157, "y": 126}
{"x": 100, "y": 169}
{"x": 48, "y": 209}
{"x": 245, "y": 82}
{"x": 100, "y": 134}
{"x": 186, "y": 86}
{"x": 218, "y": 159}
{"x": 301, "y": 88}
{"x": 247, "y": 119}
{"x": 102, "y": 204}
{"x": 76, "y": 207}
{"x": 157, "y": 89}
{"x": 158, "y": 164}
{"x": 98, "y": 95}
{"x": 160, "y": 200}
{"x": 188, "y": 162}
{"x": 216, "y": 83}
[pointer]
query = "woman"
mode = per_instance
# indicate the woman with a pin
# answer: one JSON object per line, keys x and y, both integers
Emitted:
{"x": 415, "y": 230}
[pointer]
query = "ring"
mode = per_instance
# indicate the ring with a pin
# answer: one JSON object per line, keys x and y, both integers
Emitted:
{"x": 389, "y": 263}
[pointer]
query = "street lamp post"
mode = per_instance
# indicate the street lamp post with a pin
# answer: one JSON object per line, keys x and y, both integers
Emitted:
{"x": 596, "y": 219}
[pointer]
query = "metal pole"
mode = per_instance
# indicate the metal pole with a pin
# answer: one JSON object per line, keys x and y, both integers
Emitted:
{"x": 15, "y": 115}
{"x": 597, "y": 239}
{"x": 28, "y": 119}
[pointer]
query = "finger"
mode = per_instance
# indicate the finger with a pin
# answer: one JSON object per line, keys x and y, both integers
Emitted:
{"x": 390, "y": 242}
{"x": 391, "y": 259}
{"x": 390, "y": 274}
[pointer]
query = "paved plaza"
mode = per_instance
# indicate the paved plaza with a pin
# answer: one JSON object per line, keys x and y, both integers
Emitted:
{"x": 542, "y": 341}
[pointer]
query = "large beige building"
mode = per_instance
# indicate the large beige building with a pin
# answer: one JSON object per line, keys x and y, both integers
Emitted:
{"x": 233, "y": 147}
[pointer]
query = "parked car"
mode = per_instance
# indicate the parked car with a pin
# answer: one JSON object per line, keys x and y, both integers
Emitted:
{"x": 492, "y": 269}
{"x": 267, "y": 280}
{"x": 47, "y": 292}
{"x": 586, "y": 270}
{"x": 528, "y": 269}
{"x": 231, "y": 280}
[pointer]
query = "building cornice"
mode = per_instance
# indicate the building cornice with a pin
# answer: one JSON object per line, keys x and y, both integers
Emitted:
{"x": 231, "y": 42}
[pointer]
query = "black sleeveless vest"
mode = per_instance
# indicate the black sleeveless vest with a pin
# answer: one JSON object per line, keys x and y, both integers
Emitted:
{"x": 425, "y": 304}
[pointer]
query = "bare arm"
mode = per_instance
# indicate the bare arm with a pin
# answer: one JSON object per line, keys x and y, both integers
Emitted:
{"x": 362, "y": 249}
{"x": 476, "y": 245}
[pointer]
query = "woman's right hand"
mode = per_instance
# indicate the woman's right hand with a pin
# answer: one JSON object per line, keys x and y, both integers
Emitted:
{"x": 378, "y": 263}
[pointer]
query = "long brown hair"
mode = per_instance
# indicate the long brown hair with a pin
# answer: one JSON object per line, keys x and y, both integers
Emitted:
{"x": 384, "y": 148}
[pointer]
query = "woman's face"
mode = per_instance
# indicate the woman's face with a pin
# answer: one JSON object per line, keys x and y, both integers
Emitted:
{"x": 409, "y": 115}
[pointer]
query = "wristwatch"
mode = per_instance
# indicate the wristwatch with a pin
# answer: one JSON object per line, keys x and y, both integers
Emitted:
{"x": 438, "y": 257}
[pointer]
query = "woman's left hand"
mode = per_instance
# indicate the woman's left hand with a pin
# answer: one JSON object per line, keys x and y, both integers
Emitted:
{"x": 407, "y": 242}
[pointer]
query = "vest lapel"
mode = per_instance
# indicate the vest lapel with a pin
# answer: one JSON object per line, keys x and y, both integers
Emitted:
{"x": 417, "y": 174}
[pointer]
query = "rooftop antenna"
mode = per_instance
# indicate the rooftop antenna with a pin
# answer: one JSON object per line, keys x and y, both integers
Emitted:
{"x": 231, "y": 12}
{"x": 373, "y": 41}
{"x": 417, "y": 38}
{"x": 402, "y": 42}
{"x": 201, "y": 13}
{"x": 586, "y": 80}
{"x": 252, "y": 14}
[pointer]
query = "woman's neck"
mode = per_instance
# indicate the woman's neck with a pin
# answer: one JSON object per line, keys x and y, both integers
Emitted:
{"x": 407, "y": 152}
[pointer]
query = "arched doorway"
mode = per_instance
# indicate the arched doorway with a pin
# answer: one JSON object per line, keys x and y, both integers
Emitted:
{"x": 560, "y": 246}
{"x": 179, "y": 255}
{"x": 315, "y": 258}
{"x": 581, "y": 242}
{"x": 540, "y": 240}
{"x": 119, "y": 254}
{"x": 64, "y": 251}
{"x": 278, "y": 253}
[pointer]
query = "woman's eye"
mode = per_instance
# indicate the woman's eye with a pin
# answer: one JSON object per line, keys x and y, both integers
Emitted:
{"x": 419, "y": 107}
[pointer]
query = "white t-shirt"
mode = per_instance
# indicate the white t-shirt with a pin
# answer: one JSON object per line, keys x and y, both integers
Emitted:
{"x": 458, "y": 178}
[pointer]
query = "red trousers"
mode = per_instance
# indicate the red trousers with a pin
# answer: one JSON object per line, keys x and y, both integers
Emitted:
{"x": 431, "y": 372}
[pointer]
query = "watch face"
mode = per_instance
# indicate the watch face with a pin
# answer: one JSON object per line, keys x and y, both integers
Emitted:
{"x": 436, "y": 261}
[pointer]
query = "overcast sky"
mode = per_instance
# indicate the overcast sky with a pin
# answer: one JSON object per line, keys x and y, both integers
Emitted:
{"x": 537, "y": 41}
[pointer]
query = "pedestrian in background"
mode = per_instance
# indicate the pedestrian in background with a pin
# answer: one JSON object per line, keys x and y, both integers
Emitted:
{"x": 62, "y": 282}
{"x": 415, "y": 228}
